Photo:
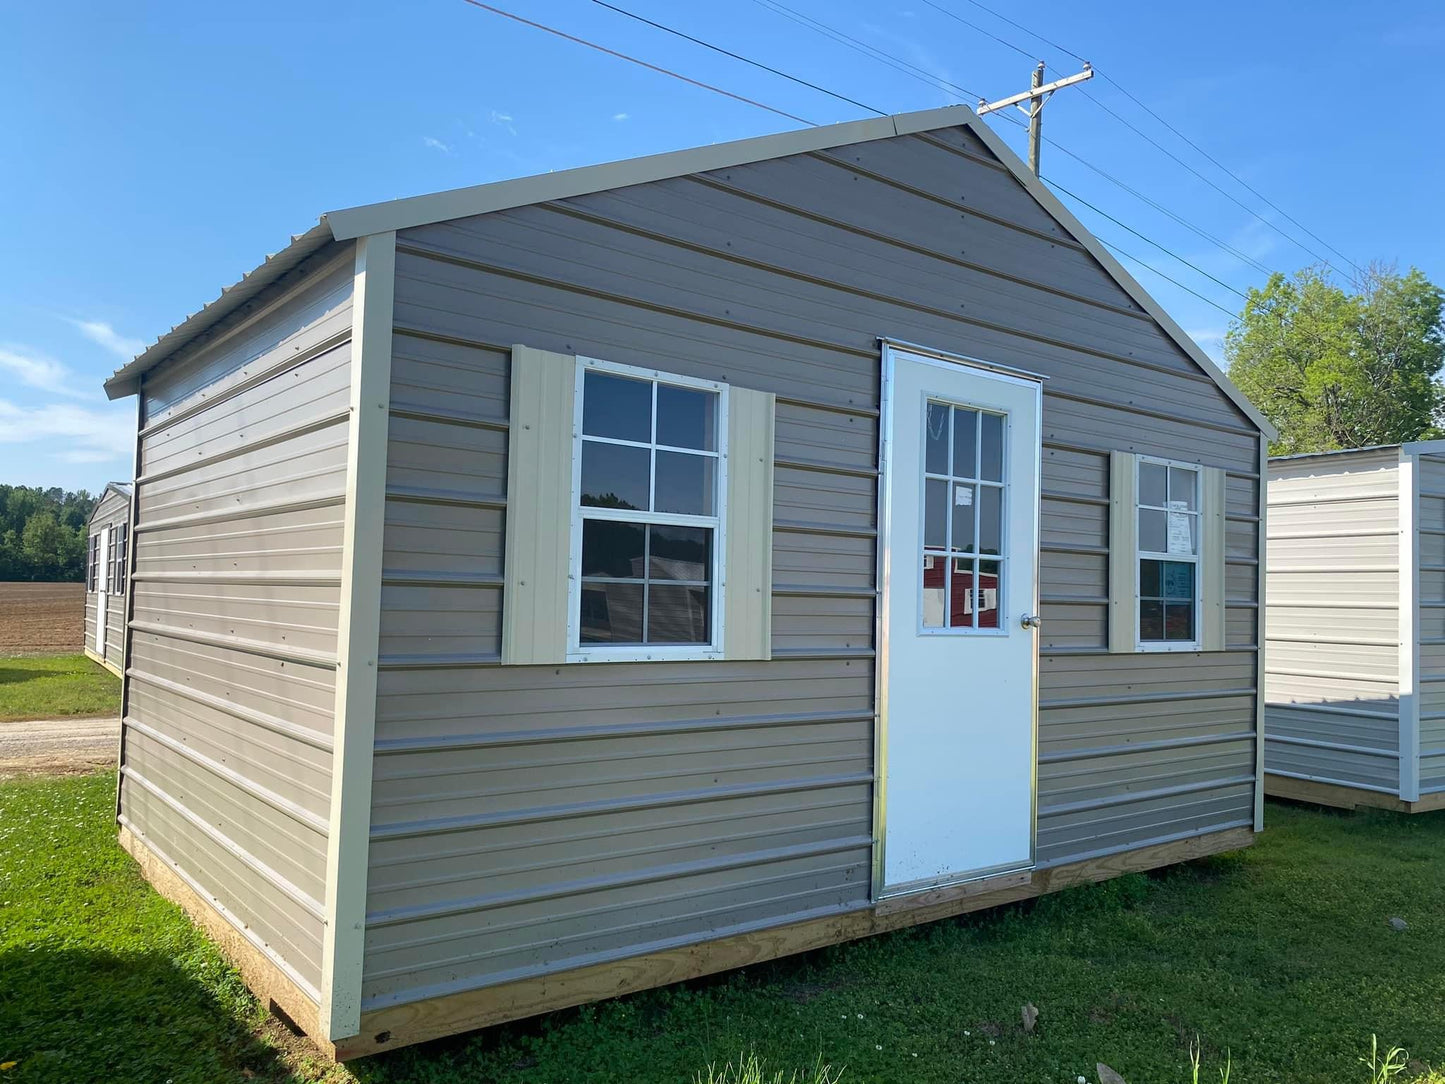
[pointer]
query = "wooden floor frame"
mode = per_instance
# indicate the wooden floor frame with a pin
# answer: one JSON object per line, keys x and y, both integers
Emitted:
{"x": 1342, "y": 797}
{"x": 435, "y": 1018}
{"x": 96, "y": 656}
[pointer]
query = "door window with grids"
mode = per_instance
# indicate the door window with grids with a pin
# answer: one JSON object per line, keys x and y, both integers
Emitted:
{"x": 1168, "y": 540}
{"x": 650, "y": 483}
{"x": 965, "y": 499}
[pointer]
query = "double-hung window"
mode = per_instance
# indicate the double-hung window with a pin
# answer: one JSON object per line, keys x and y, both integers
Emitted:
{"x": 1168, "y": 565}
{"x": 649, "y": 482}
{"x": 118, "y": 559}
{"x": 92, "y": 564}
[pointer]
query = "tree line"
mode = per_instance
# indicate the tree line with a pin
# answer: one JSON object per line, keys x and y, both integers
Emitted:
{"x": 42, "y": 533}
{"x": 1343, "y": 366}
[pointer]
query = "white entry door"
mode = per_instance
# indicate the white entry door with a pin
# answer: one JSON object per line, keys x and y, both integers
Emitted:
{"x": 102, "y": 563}
{"x": 960, "y": 499}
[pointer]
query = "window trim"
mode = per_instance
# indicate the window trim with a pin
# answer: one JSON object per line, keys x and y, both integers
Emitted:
{"x": 92, "y": 564}
{"x": 714, "y": 648}
{"x": 1196, "y": 558}
{"x": 119, "y": 543}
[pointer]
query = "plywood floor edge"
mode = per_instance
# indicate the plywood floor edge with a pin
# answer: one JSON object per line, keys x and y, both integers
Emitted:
{"x": 95, "y": 656}
{"x": 1340, "y": 796}
{"x": 403, "y": 1025}
{"x": 271, "y": 986}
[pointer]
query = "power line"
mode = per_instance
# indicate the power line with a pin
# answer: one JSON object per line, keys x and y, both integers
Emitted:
{"x": 1136, "y": 233}
{"x": 790, "y": 116}
{"x": 727, "y": 52}
{"x": 1238, "y": 179}
{"x": 872, "y": 52}
{"x": 974, "y": 26}
{"x": 1168, "y": 278}
{"x": 899, "y": 64}
{"x": 1180, "y": 135}
{"x": 642, "y": 63}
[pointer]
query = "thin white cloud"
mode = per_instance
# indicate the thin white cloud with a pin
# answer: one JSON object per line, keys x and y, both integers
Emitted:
{"x": 503, "y": 120}
{"x": 436, "y": 144}
{"x": 102, "y": 334}
{"x": 621, "y": 116}
{"x": 88, "y": 435}
{"x": 37, "y": 370}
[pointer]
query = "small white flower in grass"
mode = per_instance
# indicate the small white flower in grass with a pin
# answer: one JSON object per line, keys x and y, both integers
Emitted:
{"x": 860, "y": 1016}
{"x": 878, "y": 1046}
{"x": 967, "y": 1032}
{"x": 1081, "y": 1080}
{"x": 992, "y": 1043}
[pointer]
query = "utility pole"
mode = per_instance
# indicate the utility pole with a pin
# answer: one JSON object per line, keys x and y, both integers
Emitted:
{"x": 1038, "y": 93}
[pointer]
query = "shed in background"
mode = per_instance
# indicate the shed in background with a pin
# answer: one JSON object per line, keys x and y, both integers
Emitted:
{"x": 1355, "y": 685}
{"x": 107, "y": 567}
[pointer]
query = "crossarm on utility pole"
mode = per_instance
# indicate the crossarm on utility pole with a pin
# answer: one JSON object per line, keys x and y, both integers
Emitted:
{"x": 1038, "y": 93}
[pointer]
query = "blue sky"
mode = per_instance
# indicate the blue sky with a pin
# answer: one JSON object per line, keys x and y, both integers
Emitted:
{"x": 156, "y": 152}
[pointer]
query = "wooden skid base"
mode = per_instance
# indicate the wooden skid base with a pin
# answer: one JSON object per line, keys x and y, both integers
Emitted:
{"x": 95, "y": 656}
{"x": 401, "y": 1025}
{"x": 272, "y": 986}
{"x": 1342, "y": 797}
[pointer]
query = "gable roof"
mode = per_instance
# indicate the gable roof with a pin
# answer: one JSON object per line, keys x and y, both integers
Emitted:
{"x": 400, "y": 214}
{"x": 120, "y": 489}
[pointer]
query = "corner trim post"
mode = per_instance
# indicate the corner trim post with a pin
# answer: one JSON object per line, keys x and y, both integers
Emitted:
{"x": 1409, "y": 501}
{"x": 358, "y": 631}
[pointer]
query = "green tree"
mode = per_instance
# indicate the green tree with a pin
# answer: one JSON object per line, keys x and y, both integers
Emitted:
{"x": 43, "y": 533}
{"x": 1342, "y": 369}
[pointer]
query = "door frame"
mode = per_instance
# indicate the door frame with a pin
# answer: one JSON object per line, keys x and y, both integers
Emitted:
{"x": 889, "y": 348}
{"x": 102, "y": 587}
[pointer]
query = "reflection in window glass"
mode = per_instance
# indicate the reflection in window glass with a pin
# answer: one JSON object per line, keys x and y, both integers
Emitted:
{"x": 1153, "y": 484}
{"x": 612, "y": 549}
{"x": 965, "y": 443}
{"x": 679, "y": 553}
{"x": 991, "y": 447}
{"x": 686, "y": 418}
{"x": 935, "y": 444}
{"x": 615, "y": 476}
{"x": 617, "y": 407}
{"x": 1167, "y": 591}
{"x": 964, "y": 515}
{"x": 611, "y": 613}
{"x": 1182, "y": 488}
{"x": 961, "y": 582}
{"x": 935, "y": 513}
{"x": 989, "y": 580}
{"x": 684, "y": 483}
{"x": 933, "y": 591}
{"x": 990, "y": 520}
{"x": 677, "y": 614}
{"x": 1153, "y": 530}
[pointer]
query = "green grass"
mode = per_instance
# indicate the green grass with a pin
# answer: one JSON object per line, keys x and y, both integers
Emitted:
{"x": 1279, "y": 960}
{"x": 54, "y": 686}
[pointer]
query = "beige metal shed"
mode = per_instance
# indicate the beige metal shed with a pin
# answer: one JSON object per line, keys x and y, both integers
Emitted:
{"x": 569, "y": 585}
{"x": 1355, "y": 687}
{"x": 107, "y": 564}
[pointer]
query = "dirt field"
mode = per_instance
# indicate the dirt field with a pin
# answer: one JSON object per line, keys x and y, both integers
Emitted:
{"x": 40, "y": 618}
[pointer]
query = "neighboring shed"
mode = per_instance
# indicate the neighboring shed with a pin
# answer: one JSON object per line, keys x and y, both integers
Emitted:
{"x": 570, "y": 585}
{"x": 1355, "y": 689}
{"x": 107, "y": 564}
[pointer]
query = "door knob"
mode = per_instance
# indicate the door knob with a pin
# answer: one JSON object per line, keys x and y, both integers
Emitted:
{"x": 1030, "y": 621}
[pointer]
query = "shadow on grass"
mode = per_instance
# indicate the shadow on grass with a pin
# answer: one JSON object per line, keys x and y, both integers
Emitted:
{"x": 83, "y": 1014}
{"x": 14, "y": 675}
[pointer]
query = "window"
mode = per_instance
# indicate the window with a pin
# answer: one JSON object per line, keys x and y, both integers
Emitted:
{"x": 117, "y": 559}
{"x": 1168, "y": 584}
{"x": 965, "y": 499}
{"x": 648, "y": 471}
{"x": 92, "y": 564}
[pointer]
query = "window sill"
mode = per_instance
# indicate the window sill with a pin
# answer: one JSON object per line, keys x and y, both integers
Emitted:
{"x": 1165, "y": 647}
{"x": 690, "y": 653}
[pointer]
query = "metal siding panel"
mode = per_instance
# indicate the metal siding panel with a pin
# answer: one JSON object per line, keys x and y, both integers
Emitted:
{"x": 1332, "y": 686}
{"x": 748, "y": 611}
{"x": 231, "y": 692}
{"x": 534, "y": 819}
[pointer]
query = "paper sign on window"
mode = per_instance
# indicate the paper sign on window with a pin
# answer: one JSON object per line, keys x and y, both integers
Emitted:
{"x": 1181, "y": 538}
{"x": 963, "y": 495}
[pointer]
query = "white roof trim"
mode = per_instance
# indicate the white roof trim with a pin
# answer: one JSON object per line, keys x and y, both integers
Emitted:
{"x": 401, "y": 214}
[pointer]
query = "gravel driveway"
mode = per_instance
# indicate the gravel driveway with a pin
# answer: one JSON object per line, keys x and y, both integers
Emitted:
{"x": 57, "y": 746}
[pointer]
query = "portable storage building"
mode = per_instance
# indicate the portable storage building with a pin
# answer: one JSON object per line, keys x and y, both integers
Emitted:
{"x": 570, "y": 585}
{"x": 107, "y": 565}
{"x": 1355, "y": 688}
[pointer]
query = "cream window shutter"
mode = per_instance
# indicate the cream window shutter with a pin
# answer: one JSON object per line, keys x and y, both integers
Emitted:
{"x": 539, "y": 507}
{"x": 1211, "y": 559}
{"x": 748, "y": 558}
{"x": 1123, "y": 551}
